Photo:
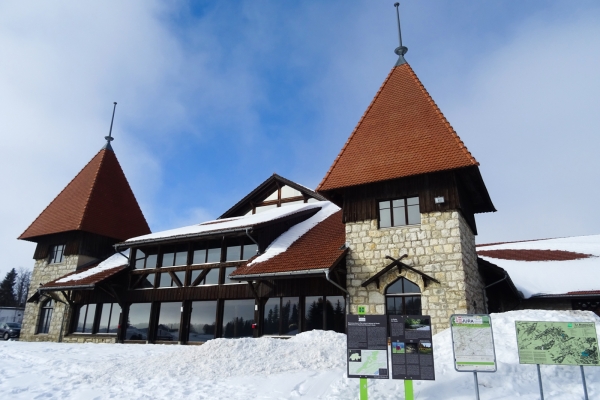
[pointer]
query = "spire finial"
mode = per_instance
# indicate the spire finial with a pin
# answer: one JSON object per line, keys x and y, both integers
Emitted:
{"x": 401, "y": 50}
{"x": 109, "y": 138}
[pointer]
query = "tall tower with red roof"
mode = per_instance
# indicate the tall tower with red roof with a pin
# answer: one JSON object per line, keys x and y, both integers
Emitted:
{"x": 409, "y": 189}
{"x": 78, "y": 229}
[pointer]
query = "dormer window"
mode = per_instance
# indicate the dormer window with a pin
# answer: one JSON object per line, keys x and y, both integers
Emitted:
{"x": 399, "y": 212}
{"x": 56, "y": 254}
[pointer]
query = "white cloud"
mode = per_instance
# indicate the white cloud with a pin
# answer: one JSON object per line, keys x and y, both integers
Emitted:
{"x": 531, "y": 119}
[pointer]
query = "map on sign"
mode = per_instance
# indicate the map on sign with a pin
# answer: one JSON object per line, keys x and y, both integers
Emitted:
{"x": 473, "y": 343}
{"x": 370, "y": 363}
{"x": 557, "y": 343}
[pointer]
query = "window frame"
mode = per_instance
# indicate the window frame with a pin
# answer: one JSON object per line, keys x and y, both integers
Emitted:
{"x": 54, "y": 251}
{"x": 96, "y": 318}
{"x": 391, "y": 211}
{"x": 403, "y": 296}
{"x": 45, "y": 317}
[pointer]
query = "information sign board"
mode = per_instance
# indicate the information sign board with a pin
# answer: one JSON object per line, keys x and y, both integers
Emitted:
{"x": 412, "y": 347}
{"x": 367, "y": 346}
{"x": 557, "y": 343}
{"x": 473, "y": 343}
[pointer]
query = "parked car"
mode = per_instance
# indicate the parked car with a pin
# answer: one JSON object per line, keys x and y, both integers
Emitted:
{"x": 10, "y": 330}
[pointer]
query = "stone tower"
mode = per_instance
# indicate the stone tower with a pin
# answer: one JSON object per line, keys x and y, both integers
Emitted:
{"x": 409, "y": 187}
{"x": 77, "y": 229}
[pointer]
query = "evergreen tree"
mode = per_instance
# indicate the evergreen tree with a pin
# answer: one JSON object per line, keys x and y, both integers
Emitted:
{"x": 7, "y": 294}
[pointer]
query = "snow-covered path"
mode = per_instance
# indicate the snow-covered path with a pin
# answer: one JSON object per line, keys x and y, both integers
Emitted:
{"x": 309, "y": 366}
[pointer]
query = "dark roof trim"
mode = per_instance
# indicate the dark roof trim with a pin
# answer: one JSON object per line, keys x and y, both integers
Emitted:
{"x": 273, "y": 178}
{"x": 88, "y": 286}
{"x": 276, "y": 275}
{"x": 240, "y": 230}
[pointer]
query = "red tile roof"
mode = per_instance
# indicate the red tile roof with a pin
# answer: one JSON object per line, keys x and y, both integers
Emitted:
{"x": 98, "y": 200}
{"x": 532, "y": 255}
{"x": 88, "y": 281}
{"x": 585, "y": 292}
{"x": 319, "y": 248}
{"x": 402, "y": 133}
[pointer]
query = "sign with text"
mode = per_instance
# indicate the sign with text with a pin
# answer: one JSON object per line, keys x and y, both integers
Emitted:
{"x": 557, "y": 343}
{"x": 367, "y": 346}
{"x": 412, "y": 347}
{"x": 473, "y": 343}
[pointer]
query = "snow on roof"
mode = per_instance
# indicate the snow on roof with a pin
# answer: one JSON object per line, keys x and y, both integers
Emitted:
{"x": 229, "y": 223}
{"x": 552, "y": 277}
{"x": 116, "y": 260}
{"x": 285, "y": 240}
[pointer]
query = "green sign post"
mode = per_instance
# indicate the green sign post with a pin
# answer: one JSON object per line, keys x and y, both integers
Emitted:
{"x": 558, "y": 343}
{"x": 364, "y": 393}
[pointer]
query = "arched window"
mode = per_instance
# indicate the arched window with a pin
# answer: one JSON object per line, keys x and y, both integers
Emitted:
{"x": 45, "y": 316}
{"x": 403, "y": 297}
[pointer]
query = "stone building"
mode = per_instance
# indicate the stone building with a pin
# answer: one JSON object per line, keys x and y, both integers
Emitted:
{"x": 76, "y": 230}
{"x": 409, "y": 190}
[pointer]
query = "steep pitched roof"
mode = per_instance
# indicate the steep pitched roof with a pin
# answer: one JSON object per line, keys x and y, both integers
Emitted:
{"x": 98, "y": 200}
{"x": 402, "y": 133}
{"x": 320, "y": 248}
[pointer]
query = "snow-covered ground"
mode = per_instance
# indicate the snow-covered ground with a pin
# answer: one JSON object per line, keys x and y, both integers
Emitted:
{"x": 311, "y": 366}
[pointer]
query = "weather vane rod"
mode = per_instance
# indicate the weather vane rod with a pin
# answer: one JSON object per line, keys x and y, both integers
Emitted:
{"x": 109, "y": 138}
{"x": 401, "y": 50}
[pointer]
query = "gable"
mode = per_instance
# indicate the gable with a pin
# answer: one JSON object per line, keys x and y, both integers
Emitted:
{"x": 274, "y": 192}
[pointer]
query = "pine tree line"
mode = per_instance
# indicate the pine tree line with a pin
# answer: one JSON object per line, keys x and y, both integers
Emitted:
{"x": 14, "y": 287}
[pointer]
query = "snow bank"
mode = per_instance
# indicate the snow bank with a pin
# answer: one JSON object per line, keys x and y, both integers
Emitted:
{"x": 116, "y": 260}
{"x": 311, "y": 365}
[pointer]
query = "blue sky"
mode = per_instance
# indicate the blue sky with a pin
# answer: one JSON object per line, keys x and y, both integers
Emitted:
{"x": 216, "y": 96}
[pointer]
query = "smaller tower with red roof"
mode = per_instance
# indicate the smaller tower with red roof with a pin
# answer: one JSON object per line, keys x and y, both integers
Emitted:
{"x": 96, "y": 210}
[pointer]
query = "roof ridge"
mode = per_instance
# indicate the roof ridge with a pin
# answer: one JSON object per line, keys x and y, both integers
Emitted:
{"x": 441, "y": 115}
{"x": 93, "y": 186}
{"x": 58, "y": 195}
{"x": 360, "y": 121}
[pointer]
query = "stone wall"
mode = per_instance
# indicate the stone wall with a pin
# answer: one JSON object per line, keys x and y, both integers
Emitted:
{"x": 75, "y": 338}
{"x": 43, "y": 273}
{"x": 442, "y": 246}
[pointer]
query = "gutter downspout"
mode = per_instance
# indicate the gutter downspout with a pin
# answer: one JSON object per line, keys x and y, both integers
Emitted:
{"x": 333, "y": 283}
{"x": 255, "y": 242}
{"x": 485, "y": 299}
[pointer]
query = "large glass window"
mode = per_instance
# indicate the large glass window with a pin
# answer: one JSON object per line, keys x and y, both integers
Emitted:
{"x": 146, "y": 258}
{"x": 168, "y": 321}
{"x": 85, "y": 322}
{"x": 174, "y": 256}
{"x": 45, "y": 316}
{"x": 203, "y": 321}
{"x": 229, "y": 271}
{"x": 281, "y": 316}
{"x": 200, "y": 277}
{"x": 399, "y": 212}
{"x": 238, "y": 317}
{"x": 403, "y": 297}
{"x": 137, "y": 324}
{"x": 213, "y": 253}
{"x": 166, "y": 280}
{"x": 250, "y": 250}
{"x": 335, "y": 319}
{"x": 233, "y": 252}
{"x": 314, "y": 312}
{"x": 56, "y": 254}
{"x": 109, "y": 318}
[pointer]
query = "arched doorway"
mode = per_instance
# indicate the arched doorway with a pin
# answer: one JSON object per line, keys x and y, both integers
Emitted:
{"x": 403, "y": 297}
